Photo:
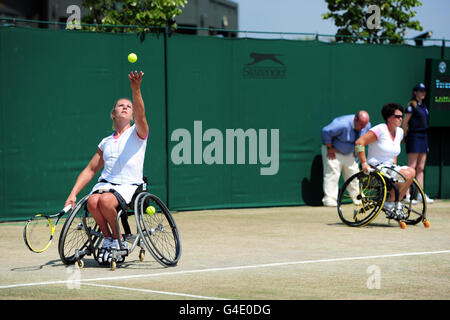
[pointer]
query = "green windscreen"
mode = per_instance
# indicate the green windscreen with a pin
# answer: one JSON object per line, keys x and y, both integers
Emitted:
{"x": 233, "y": 122}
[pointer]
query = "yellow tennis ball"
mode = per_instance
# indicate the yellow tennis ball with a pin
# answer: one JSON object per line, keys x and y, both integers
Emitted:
{"x": 150, "y": 210}
{"x": 132, "y": 57}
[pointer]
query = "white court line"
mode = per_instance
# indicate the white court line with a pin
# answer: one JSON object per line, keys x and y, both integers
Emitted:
{"x": 268, "y": 265}
{"x": 153, "y": 291}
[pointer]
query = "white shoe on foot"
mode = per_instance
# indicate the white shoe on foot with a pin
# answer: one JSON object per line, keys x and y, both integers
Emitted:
{"x": 407, "y": 199}
{"x": 105, "y": 250}
{"x": 427, "y": 199}
{"x": 115, "y": 246}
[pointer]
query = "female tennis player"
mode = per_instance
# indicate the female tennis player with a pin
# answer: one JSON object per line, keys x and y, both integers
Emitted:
{"x": 121, "y": 155}
{"x": 384, "y": 147}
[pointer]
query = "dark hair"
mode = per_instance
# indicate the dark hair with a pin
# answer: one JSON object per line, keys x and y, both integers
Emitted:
{"x": 389, "y": 109}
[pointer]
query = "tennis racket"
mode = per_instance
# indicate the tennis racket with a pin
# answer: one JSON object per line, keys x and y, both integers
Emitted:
{"x": 38, "y": 231}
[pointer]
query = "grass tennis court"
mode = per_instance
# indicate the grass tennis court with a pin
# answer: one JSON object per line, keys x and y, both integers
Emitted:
{"x": 266, "y": 253}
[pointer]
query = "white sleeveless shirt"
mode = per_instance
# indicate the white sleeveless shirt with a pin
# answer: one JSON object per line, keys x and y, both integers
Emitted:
{"x": 123, "y": 157}
{"x": 386, "y": 148}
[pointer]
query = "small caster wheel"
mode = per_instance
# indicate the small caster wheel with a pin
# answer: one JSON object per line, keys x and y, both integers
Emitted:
{"x": 79, "y": 264}
{"x": 142, "y": 255}
{"x": 113, "y": 265}
{"x": 426, "y": 223}
{"x": 402, "y": 224}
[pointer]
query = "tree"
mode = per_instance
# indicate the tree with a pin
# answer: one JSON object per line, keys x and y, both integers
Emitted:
{"x": 142, "y": 14}
{"x": 373, "y": 21}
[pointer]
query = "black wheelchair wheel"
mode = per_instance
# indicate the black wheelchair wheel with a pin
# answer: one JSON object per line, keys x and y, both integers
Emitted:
{"x": 415, "y": 209}
{"x": 158, "y": 229}
{"x": 74, "y": 234}
{"x": 359, "y": 210}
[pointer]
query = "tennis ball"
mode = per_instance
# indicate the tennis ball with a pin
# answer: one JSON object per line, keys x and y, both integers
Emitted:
{"x": 132, "y": 57}
{"x": 150, "y": 210}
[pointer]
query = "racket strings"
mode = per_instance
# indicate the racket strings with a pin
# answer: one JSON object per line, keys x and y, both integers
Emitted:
{"x": 38, "y": 233}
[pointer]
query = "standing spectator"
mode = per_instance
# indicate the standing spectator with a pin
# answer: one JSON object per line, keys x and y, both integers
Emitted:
{"x": 338, "y": 153}
{"x": 415, "y": 125}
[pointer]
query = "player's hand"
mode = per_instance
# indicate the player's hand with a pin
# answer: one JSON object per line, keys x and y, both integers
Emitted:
{"x": 135, "y": 79}
{"x": 71, "y": 200}
{"x": 331, "y": 153}
{"x": 365, "y": 167}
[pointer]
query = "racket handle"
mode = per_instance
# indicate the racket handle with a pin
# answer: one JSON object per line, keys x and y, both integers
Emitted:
{"x": 66, "y": 209}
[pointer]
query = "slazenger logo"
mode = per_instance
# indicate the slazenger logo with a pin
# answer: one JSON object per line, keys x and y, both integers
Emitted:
{"x": 264, "y": 66}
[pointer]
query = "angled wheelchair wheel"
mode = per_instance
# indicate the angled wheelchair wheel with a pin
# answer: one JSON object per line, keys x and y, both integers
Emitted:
{"x": 158, "y": 229}
{"x": 415, "y": 209}
{"x": 74, "y": 242}
{"x": 360, "y": 209}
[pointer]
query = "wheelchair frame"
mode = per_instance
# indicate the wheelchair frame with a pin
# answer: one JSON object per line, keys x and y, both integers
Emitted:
{"x": 388, "y": 184}
{"x": 143, "y": 238}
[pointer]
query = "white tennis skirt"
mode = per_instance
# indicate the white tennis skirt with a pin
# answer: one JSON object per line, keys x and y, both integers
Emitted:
{"x": 125, "y": 190}
{"x": 393, "y": 171}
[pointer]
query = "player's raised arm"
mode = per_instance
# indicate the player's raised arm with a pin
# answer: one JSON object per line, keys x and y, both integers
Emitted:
{"x": 138, "y": 104}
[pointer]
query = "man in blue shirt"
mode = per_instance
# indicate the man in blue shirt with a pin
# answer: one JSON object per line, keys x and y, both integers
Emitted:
{"x": 338, "y": 153}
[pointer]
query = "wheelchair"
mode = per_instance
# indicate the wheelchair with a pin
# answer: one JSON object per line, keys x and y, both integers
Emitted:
{"x": 373, "y": 190}
{"x": 156, "y": 231}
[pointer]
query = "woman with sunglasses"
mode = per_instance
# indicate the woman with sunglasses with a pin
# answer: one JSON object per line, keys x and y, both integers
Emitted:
{"x": 384, "y": 141}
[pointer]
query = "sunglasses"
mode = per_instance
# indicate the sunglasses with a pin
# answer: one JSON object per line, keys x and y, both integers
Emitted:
{"x": 398, "y": 116}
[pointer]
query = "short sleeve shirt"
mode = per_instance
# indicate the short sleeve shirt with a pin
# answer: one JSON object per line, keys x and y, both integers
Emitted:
{"x": 342, "y": 134}
{"x": 419, "y": 118}
{"x": 123, "y": 157}
{"x": 387, "y": 147}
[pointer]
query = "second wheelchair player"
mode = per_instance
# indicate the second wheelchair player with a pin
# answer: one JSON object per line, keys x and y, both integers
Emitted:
{"x": 121, "y": 155}
{"x": 383, "y": 143}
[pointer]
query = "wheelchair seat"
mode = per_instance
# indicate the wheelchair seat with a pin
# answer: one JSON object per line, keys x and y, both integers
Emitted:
{"x": 129, "y": 209}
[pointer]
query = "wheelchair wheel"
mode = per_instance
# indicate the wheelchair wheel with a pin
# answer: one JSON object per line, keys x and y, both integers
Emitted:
{"x": 415, "y": 209}
{"x": 359, "y": 210}
{"x": 74, "y": 235}
{"x": 158, "y": 229}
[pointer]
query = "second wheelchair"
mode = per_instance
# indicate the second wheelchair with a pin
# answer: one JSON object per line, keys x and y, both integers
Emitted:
{"x": 373, "y": 190}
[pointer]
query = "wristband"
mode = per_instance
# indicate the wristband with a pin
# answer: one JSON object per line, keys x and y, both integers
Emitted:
{"x": 359, "y": 148}
{"x": 363, "y": 163}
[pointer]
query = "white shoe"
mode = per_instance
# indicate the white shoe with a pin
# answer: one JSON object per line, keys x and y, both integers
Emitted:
{"x": 105, "y": 250}
{"x": 427, "y": 199}
{"x": 389, "y": 205}
{"x": 330, "y": 204}
{"x": 115, "y": 246}
{"x": 407, "y": 199}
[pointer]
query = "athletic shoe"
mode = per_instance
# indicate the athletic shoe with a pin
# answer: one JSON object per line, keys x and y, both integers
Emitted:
{"x": 389, "y": 208}
{"x": 407, "y": 199}
{"x": 115, "y": 246}
{"x": 330, "y": 204}
{"x": 389, "y": 205}
{"x": 105, "y": 250}
{"x": 427, "y": 199}
{"x": 399, "y": 214}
